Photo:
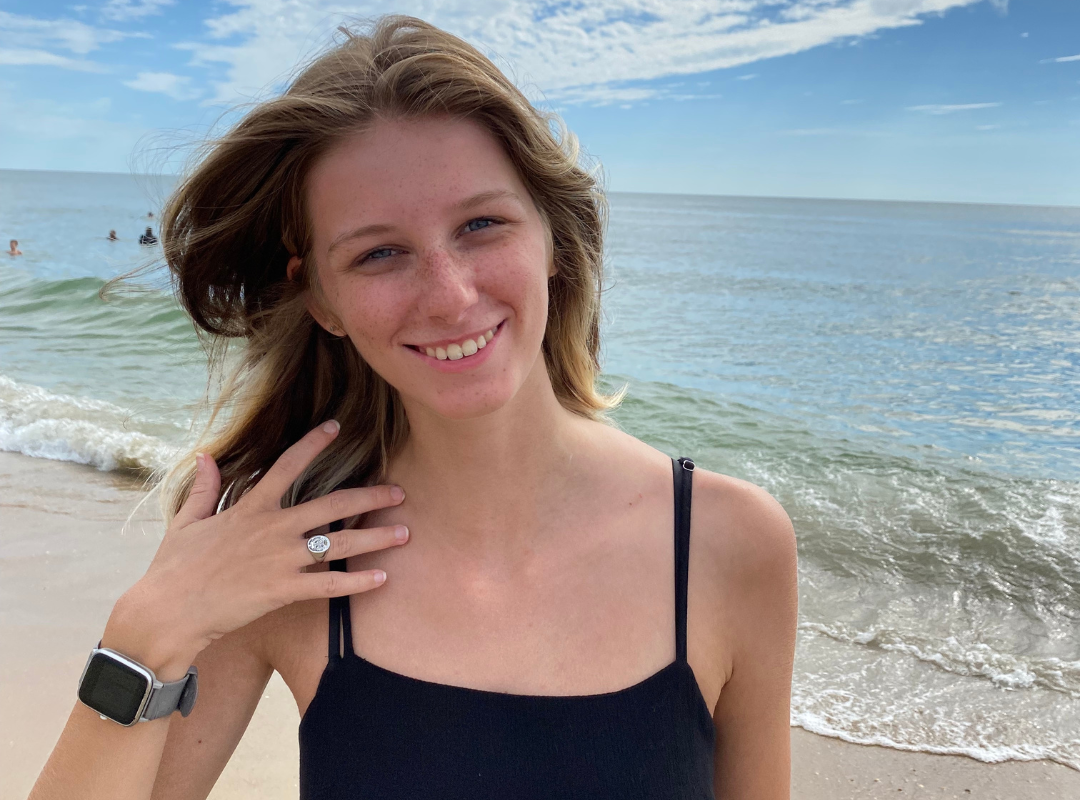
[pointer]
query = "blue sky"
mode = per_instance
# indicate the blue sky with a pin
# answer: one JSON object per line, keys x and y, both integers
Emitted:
{"x": 952, "y": 100}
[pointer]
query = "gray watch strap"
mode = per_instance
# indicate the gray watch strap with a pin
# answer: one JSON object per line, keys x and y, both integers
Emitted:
{"x": 175, "y": 696}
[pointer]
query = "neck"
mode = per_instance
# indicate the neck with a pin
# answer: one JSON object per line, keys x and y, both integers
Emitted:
{"x": 488, "y": 485}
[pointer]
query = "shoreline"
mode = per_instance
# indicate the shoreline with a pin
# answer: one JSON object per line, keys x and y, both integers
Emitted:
{"x": 66, "y": 554}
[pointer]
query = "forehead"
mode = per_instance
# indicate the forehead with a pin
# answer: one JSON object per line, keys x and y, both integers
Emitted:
{"x": 406, "y": 166}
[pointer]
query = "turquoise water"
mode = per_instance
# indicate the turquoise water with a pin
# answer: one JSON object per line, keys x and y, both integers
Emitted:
{"x": 904, "y": 378}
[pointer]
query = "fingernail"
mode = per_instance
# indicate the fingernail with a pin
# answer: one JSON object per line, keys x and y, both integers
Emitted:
{"x": 200, "y": 459}
{"x": 333, "y": 426}
{"x": 401, "y": 533}
{"x": 397, "y": 493}
{"x": 379, "y": 576}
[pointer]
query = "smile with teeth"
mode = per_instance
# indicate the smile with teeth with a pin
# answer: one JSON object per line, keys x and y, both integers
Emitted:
{"x": 464, "y": 349}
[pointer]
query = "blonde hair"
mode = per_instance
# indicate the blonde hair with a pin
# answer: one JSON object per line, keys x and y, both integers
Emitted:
{"x": 233, "y": 223}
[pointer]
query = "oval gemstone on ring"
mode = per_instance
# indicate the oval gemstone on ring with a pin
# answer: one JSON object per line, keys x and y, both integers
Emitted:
{"x": 318, "y": 545}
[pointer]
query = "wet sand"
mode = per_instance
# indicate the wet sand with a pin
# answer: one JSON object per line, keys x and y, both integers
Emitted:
{"x": 68, "y": 550}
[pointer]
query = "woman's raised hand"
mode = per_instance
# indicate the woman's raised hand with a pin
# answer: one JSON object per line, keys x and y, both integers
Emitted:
{"x": 214, "y": 573}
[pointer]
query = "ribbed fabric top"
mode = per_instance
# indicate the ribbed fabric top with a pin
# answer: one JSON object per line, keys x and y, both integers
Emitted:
{"x": 373, "y": 733}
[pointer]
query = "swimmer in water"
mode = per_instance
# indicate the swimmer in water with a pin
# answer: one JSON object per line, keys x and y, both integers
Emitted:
{"x": 148, "y": 237}
{"x": 112, "y": 236}
{"x": 14, "y": 251}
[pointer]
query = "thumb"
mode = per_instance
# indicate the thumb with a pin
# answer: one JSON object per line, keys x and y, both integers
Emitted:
{"x": 202, "y": 500}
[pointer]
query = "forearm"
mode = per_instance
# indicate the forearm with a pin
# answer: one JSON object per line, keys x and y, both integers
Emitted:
{"x": 97, "y": 758}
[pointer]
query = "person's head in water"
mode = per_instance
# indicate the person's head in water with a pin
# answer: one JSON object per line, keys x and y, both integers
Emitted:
{"x": 259, "y": 251}
{"x": 14, "y": 248}
{"x": 112, "y": 236}
{"x": 149, "y": 232}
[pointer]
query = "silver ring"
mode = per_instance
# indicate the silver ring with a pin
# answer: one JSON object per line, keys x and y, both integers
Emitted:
{"x": 317, "y": 546}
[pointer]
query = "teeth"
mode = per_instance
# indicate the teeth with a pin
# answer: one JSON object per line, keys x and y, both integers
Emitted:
{"x": 469, "y": 347}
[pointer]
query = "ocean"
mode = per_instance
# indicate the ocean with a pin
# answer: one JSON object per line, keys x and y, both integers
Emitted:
{"x": 903, "y": 377}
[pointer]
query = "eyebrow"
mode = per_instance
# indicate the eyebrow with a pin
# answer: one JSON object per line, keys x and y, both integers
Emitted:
{"x": 466, "y": 204}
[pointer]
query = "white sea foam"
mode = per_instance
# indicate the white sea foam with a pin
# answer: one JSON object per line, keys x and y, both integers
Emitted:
{"x": 61, "y": 427}
{"x": 970, "y": 659}
{"x": 883, "y": 697}
{"x": 989, "y": 753}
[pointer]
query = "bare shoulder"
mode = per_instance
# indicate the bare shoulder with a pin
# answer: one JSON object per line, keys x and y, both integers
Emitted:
{"x": 744, "y": 548}
{"x": 746, "y": 541}
{"x": 743, "y": 528}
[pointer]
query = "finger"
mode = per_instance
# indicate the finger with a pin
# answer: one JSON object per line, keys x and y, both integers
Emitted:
{"x": 342, "y": 504}
{"x": 292, "y": 463}
{"x": 332, "y": 583}
{"x": 355, "y": 541}
{"x": 203, "y": 497}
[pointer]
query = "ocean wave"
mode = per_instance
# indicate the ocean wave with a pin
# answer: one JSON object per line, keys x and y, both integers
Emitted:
{"x": 129, "y": 312}
{"x": 878, "y": 696}
{"x": 987, "y": 752}
{"x": 39, "y": 423}
{"x": 970, "y": 659}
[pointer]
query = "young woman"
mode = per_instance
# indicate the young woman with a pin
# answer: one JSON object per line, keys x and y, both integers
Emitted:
{"x": 412, "y": 261}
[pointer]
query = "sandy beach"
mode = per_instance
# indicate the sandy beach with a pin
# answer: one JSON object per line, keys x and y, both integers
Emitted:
{"x": 68, "y": 550}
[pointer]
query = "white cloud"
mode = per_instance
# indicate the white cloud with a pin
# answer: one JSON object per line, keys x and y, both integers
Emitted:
{"x": 1002, "y": 6}
{"x": 626, "y": 96}
{"x": 1061, "y": 60}
{"x": 681, "y": 97}
{"x": 937, "y": 109}
{"x": 749, "y": 77}
{"x": 66, "y": 34}
{"x": 21, "y": 56}
{"x": 127, "y": 10}
{"x": 175, "y": 86}
{"x": 37, "y": 40}
{"x": 851, "y": 102}
{"x": 558, "y": 53}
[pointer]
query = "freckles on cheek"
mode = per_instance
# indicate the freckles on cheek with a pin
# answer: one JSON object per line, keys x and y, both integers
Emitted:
{"x": 370, "y": 311}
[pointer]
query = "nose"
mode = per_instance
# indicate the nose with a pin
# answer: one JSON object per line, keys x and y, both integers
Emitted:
{"x": 446, "y": 285}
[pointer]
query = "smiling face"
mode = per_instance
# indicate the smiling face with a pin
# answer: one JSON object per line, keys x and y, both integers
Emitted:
{"x": 425, "y": 238}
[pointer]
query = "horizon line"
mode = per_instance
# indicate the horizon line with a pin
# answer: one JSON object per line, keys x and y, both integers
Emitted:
{"x": 673, "y": 194}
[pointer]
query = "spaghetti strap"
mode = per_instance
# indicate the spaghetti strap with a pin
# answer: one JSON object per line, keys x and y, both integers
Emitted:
{"x": 684, "y": 479}
{"x": 340, "y": 639}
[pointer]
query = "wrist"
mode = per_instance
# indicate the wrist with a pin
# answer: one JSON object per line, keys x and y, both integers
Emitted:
{"x": 151, "y": 638}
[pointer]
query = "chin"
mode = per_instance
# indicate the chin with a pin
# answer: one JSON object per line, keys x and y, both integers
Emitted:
{"x": 467, "y": 408}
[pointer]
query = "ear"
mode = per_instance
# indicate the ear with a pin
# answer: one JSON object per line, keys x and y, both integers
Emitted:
{"x": 324, "y": 320}
{"x": 293, "y": 267}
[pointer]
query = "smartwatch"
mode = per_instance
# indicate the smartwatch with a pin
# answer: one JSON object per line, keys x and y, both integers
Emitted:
{"x": 125, "y": 691}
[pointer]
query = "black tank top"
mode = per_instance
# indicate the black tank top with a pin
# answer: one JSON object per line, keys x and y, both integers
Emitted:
{"x": 372, "y": 733}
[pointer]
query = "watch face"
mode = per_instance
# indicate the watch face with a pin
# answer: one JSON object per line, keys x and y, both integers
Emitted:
{"x": 113, "y": 688}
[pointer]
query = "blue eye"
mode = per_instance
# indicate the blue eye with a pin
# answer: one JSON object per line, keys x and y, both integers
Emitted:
{"x": 374, "y": 253}
{"x": 380, "y": 250}
{"x": 480, "y": 219}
